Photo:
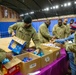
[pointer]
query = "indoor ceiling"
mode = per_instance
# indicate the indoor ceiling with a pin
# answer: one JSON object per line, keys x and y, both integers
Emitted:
{"x": 41, "y": 8}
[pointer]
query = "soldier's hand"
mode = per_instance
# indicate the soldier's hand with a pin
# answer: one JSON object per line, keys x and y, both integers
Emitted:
{"x": 52, "y": 41}
{"x": 53, "y": 37}
{"x": 37, "y": 50}
{"x": 13, "y": 33}
{"x": 9, "y": 56}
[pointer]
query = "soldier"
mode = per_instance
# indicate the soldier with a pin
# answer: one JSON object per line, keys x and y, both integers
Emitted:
{"x": 71, "y": 22}
{"x": 67, "y": 28}
{"x": 43, "y": 33}
{"x": 4, "y": 55}
{"x": 59, "y": 30}
{"x": 25, "y": 31}
{"x": 71, "y": 48}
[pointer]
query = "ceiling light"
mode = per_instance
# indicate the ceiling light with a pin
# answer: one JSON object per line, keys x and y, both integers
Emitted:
{"x": 57, "y": 6}
{"x": 32, "y": 12}
{"x": 26, "y": 13}
{"x": 75, "y": 2}
{"x": 46, "y": 9}
{"x": 69, "y": 3}
{"x": 22, "y": 15}
{"x": 54, "y": 7}
{"x": 65, "y": 4}
{"x": 61, "y": 5}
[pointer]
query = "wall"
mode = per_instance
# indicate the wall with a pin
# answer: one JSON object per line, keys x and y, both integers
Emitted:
{"x": 7, "y": 18}
{"x": 36, "y": 24}
{"x": 5, "y": 22}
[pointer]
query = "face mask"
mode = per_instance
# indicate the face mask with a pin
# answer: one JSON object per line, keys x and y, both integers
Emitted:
{"x": 48, "y": 24}
{"x": 59, "y": 23}
{"x": 65, "y": 23}
{"x": 27, "y": 26}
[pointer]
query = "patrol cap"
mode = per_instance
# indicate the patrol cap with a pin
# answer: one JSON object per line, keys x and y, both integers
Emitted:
{"x": 73, "y": 26}
{"x": 27, "y": 19}
{"x": 71, "y": 21}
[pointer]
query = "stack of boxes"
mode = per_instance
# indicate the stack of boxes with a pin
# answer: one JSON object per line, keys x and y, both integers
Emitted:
{"x": 51, "y": 53}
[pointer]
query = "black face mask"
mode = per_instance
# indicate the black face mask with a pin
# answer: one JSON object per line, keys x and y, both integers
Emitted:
{"x": 60, "y": 23}
{"x": 65, "y": 23}
{"x": 47, "y": 24}
{"x": 28, "y": 26}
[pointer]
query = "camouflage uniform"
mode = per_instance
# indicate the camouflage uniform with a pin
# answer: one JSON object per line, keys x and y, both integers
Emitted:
{"x": 68, "y": 33}
{"x": 43, "y": 33}
{"x": 2, "y": 56}
{"x": 59, "y": 31}
{"x": 25, "y": 33}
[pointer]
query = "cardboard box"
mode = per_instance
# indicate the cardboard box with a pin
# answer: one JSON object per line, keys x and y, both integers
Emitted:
{"x": 31, "y": 66}
{"x": 17, "y": 45}
{"x": 31, "y": 43}
{"x": 56, "y": 53}
{"x": 60, "y": 45}
{"x": 11, "y": 67}
{"x": 47, "y": 58}
{"x": 52, "y": 48}
{"x": 1, "y": 73}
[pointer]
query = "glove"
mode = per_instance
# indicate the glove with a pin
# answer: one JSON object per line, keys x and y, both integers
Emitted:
{"x": 61, "y": 41}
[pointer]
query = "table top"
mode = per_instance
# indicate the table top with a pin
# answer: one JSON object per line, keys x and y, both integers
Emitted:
{"x": 4, "y": 42}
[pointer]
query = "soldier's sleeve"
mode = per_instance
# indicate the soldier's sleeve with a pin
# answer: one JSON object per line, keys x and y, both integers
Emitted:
{"x": 72, "y": 48}
{"x": 69, "y": 47}
{"x": 2, "y": 55}
{"x": 66, "y": 32}
{"x": 35, "y": 39}
{"x": 54, "y": 31}
{"x": 69, "y": 33}
{"x": 12, "y": 28}
{"x": 45, "y": 33}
